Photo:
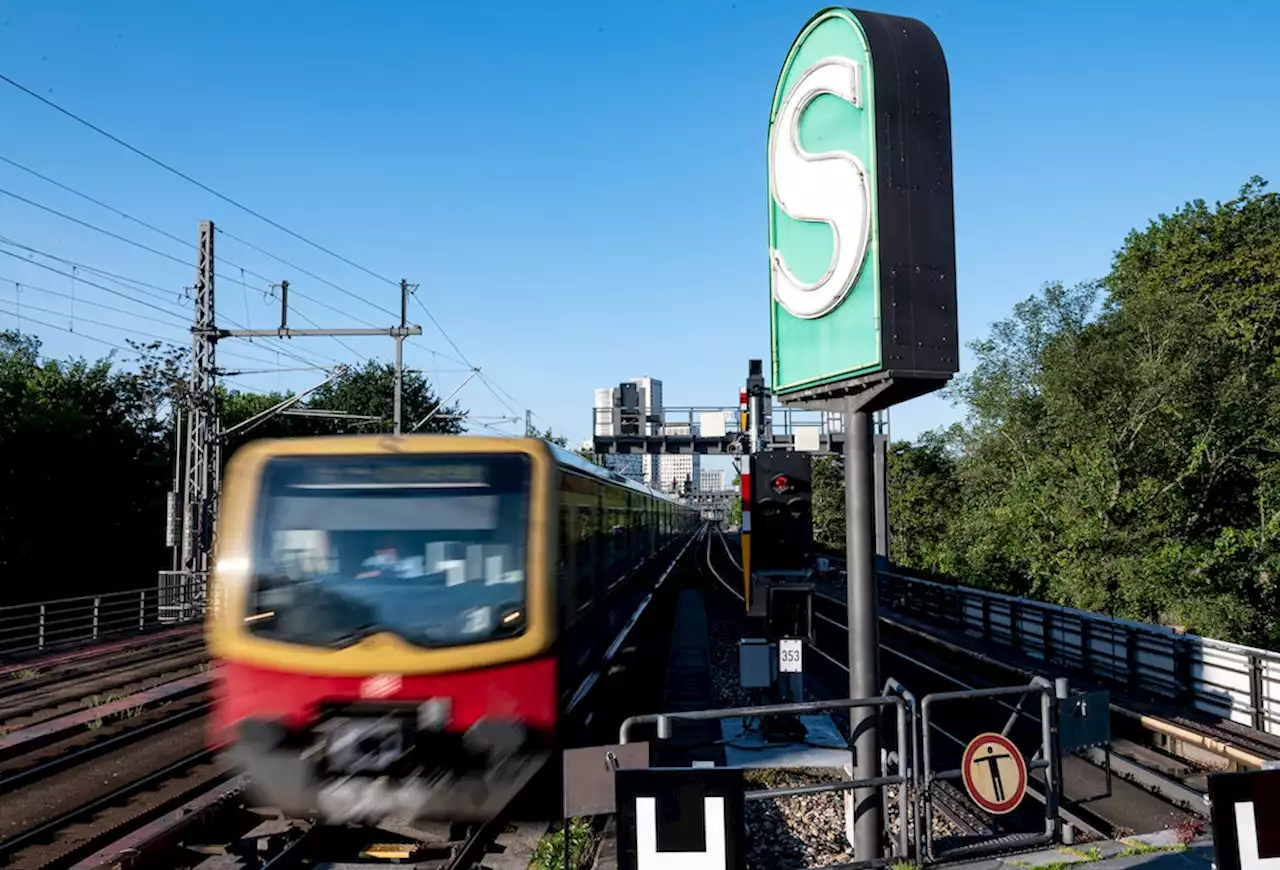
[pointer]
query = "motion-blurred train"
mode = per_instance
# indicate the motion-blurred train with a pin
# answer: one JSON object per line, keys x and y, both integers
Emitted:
{"x": 404, "y": 625}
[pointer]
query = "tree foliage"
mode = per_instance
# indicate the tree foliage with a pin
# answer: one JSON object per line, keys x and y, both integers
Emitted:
{"x": 1121, "y": 447}
{"x": 86, "y": 456}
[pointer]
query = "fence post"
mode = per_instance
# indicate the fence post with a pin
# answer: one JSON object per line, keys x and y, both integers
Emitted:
{"x": 1133, "y": 678}
{"x": 96, "y": 601}
{"x": 1061, "y": 689}
{"x": 1183, "y": 680}
{"x": 1256, "y": 700}
{"x": 40, "y": 643}
{"x": 1086, "y": 645}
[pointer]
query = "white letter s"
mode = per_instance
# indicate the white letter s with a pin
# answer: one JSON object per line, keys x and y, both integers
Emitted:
{"x": 830, "y": 187}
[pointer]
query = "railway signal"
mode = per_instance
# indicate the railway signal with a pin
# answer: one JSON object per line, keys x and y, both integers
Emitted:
{"x": 782, "y": 511}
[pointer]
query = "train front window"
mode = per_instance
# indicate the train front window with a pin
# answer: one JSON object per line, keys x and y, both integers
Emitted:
{"x": 430, "y": 548}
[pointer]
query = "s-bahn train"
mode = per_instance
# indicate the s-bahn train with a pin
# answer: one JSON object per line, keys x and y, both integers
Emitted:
{"x": 404, "y": 626}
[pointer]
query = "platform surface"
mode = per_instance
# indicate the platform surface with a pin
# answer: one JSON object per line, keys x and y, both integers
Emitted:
{"x": 823, "y": 746}
{"x": 1155, "y": 851}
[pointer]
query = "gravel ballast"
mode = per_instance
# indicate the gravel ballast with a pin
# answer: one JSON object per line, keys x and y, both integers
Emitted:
{"x": 787, "y": 832}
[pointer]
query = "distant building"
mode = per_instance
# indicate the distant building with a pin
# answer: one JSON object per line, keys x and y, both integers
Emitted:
{"x": 643, "y": 468}
{"x": 711, "y": 480}
{"x": 677, "y": 468}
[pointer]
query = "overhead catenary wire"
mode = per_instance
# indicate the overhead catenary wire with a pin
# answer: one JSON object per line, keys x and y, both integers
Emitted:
{"x": 25, "y": 306}
{"x": 169, "y": 235}
{"x": 118, "y": 293}
{"x": 165, "y": 166}
{"x": 248, "y": 210}
{"x": 158, "y": 291}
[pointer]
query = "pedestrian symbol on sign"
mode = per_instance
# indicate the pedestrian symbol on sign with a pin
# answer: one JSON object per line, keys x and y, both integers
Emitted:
{"x": 995, "y": 774}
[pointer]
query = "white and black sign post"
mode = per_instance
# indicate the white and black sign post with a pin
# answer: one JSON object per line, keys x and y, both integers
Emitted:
{"x": 681, "y": 819}
{"x": 1245, "y": 812}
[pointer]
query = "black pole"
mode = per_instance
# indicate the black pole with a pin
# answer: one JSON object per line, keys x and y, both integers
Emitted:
{"x": 862, "y": 613}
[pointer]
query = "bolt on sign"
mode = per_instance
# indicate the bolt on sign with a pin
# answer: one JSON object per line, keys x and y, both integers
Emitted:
{"x": 861, "y": 214}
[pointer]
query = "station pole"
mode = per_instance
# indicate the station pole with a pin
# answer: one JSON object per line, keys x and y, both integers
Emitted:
{"x": 862, "y": 603}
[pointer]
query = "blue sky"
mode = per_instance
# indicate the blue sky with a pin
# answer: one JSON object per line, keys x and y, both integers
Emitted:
{"x": 579, "y": 189}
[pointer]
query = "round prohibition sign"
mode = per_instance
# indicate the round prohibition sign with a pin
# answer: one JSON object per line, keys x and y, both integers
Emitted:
{"x": 995, "y": 774}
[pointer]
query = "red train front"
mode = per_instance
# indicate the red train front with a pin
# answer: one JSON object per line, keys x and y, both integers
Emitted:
{"x": 383, "y": 622}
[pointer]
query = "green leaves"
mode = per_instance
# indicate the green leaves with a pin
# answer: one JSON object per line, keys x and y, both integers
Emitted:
{"x": 1121, "y": 447}
{"x": 86, "y": 455}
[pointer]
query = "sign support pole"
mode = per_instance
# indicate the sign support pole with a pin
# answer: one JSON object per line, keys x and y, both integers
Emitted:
{"x": 862, "y": 601}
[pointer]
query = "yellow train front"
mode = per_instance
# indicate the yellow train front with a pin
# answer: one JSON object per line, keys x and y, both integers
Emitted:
{"x": 402, "y": 624}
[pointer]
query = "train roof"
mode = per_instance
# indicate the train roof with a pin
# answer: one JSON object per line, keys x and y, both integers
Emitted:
{"x": 572, "y": 460}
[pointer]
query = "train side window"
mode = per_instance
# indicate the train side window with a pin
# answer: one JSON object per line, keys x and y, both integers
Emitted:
{"x": 564, "y": 559}
{"x": 587, "y": 556}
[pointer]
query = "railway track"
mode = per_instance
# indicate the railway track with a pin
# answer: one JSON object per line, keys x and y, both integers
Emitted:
{"x": 130, "y": 783}
{"x": 28, "y": 697}
{"x": 73, "y": 812}
{"x": 1160, "y": 747}
{"x": 1129, "y": 806}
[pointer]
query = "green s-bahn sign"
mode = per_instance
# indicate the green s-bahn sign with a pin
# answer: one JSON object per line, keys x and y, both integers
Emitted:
{"x": 861, "y": 226}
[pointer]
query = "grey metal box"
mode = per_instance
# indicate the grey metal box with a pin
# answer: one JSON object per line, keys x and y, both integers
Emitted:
{"x": 755, "y": 663}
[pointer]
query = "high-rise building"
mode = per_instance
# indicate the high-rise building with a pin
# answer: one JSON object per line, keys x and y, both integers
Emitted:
{"x": 681, "y": 467}
{"x": 644, "y": 468}
{"x": 711, "y": 480}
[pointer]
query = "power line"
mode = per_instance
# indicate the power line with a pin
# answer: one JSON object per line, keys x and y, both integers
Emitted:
{"x": 110, "y": 290}
{"x": 133, "y": 283}
{"x": 466, "y": 362}
{"x": 168, "y": 168}
{"x": 168, "y": 235}
{"x": 188, "y": 178}
{"x": 175, "y": 238}
{"x": 20, "y": 306}
{"x": 82, "y": 301}
{"x": 160, "y": 291}
{"x": 69, "y": 189}
{"x": 105, "y": 232}
{"x": 298, "y": 268}
{"x": 78, "y": 334}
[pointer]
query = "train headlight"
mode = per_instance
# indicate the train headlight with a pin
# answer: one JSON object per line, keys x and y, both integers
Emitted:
{"x": 433, "y": 715}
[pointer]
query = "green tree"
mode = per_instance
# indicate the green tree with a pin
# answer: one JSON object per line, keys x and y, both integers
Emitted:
{"x": 1121, "y": 444}
{"x": 827, "y": 501}
{"x": 558, "y": 440}
{"x": 84, "y": 463}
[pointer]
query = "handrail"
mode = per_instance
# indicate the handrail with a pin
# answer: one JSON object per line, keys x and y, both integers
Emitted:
{"x": 1232, "y": 681}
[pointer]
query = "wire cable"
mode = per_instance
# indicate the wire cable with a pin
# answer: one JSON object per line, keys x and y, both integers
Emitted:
{"x": 188, "y": 178}
{"x": 84, "y": 301}
{"x": 25, "y": 305}
{"x": 69, "y": 189}
{"x": 298, "y": 268}
{"x": 83, "y": 280}
{"x": 168, "y": 235}
{"x": 77, "y": 334}
{"x": 105, "y": 232}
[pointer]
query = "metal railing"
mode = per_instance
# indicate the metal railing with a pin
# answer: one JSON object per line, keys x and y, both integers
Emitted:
{"x": 903, "y": 779}
{"x": 62, "y": 623}
{"x": 785, "y": 420}
{"x": 1046, "y": 759}
{"x": 183, "y": 596}
{"x": 1231, "y": 681}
